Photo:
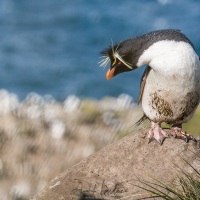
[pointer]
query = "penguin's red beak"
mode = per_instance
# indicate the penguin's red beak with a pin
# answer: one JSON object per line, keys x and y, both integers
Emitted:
{"x": 117, "y": 69}
{"x": 110, "y": 73}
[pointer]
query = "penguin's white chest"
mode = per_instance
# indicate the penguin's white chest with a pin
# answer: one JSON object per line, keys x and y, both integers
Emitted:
{"x": 172, "y": 88}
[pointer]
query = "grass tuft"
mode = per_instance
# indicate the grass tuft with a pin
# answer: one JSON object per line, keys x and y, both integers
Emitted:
{"x": 188, "y": 187}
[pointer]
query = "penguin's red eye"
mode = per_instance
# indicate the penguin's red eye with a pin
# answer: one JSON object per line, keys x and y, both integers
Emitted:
{"x": 119, "y": 62}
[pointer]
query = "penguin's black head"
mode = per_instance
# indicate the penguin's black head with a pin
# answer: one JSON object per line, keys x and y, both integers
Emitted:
{"x": 124, "y": 56}
{"x": 121, "y": 57}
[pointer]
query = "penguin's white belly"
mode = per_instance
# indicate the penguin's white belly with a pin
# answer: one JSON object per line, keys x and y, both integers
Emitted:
{"x": 172, "y": 99}
{"x": 172, "y": 89}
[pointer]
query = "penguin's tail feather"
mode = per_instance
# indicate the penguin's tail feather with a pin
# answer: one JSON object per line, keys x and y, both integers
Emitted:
{"x": 143, "y": 119}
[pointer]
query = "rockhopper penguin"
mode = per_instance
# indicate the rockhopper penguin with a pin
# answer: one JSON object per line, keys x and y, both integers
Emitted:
{"x": 170, "y": 85}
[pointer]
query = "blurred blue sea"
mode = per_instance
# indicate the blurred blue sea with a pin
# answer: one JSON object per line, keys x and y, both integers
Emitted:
{"x": 52, "y": 47}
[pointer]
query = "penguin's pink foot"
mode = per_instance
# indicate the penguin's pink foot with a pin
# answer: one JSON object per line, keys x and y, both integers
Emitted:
{"x": 157, "y": 133}
{"x": 177, "y": 132}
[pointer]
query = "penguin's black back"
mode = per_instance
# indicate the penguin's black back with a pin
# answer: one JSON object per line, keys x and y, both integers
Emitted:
{"x": 159, "y": 35}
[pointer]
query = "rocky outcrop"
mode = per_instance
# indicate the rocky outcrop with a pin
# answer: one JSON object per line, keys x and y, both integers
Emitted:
{"x": 115, "y": 171}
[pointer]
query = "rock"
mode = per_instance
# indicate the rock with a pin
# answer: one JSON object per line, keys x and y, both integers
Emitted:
{"x": 114, "y": 171}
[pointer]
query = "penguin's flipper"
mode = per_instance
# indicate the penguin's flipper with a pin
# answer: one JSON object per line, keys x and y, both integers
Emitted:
{"x": 142, "y": 82}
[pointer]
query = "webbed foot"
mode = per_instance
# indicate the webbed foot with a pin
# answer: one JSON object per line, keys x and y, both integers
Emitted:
{"x": 177, "y": 132}
{"x": 157, "y": 133}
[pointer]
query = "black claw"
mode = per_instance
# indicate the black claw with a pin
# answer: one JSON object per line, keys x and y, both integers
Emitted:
{"x": 186, "y": 139}
{"x": 149, "y": 141}
{"x": 160, "y": 142}
{"x": 194, "y": 139}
